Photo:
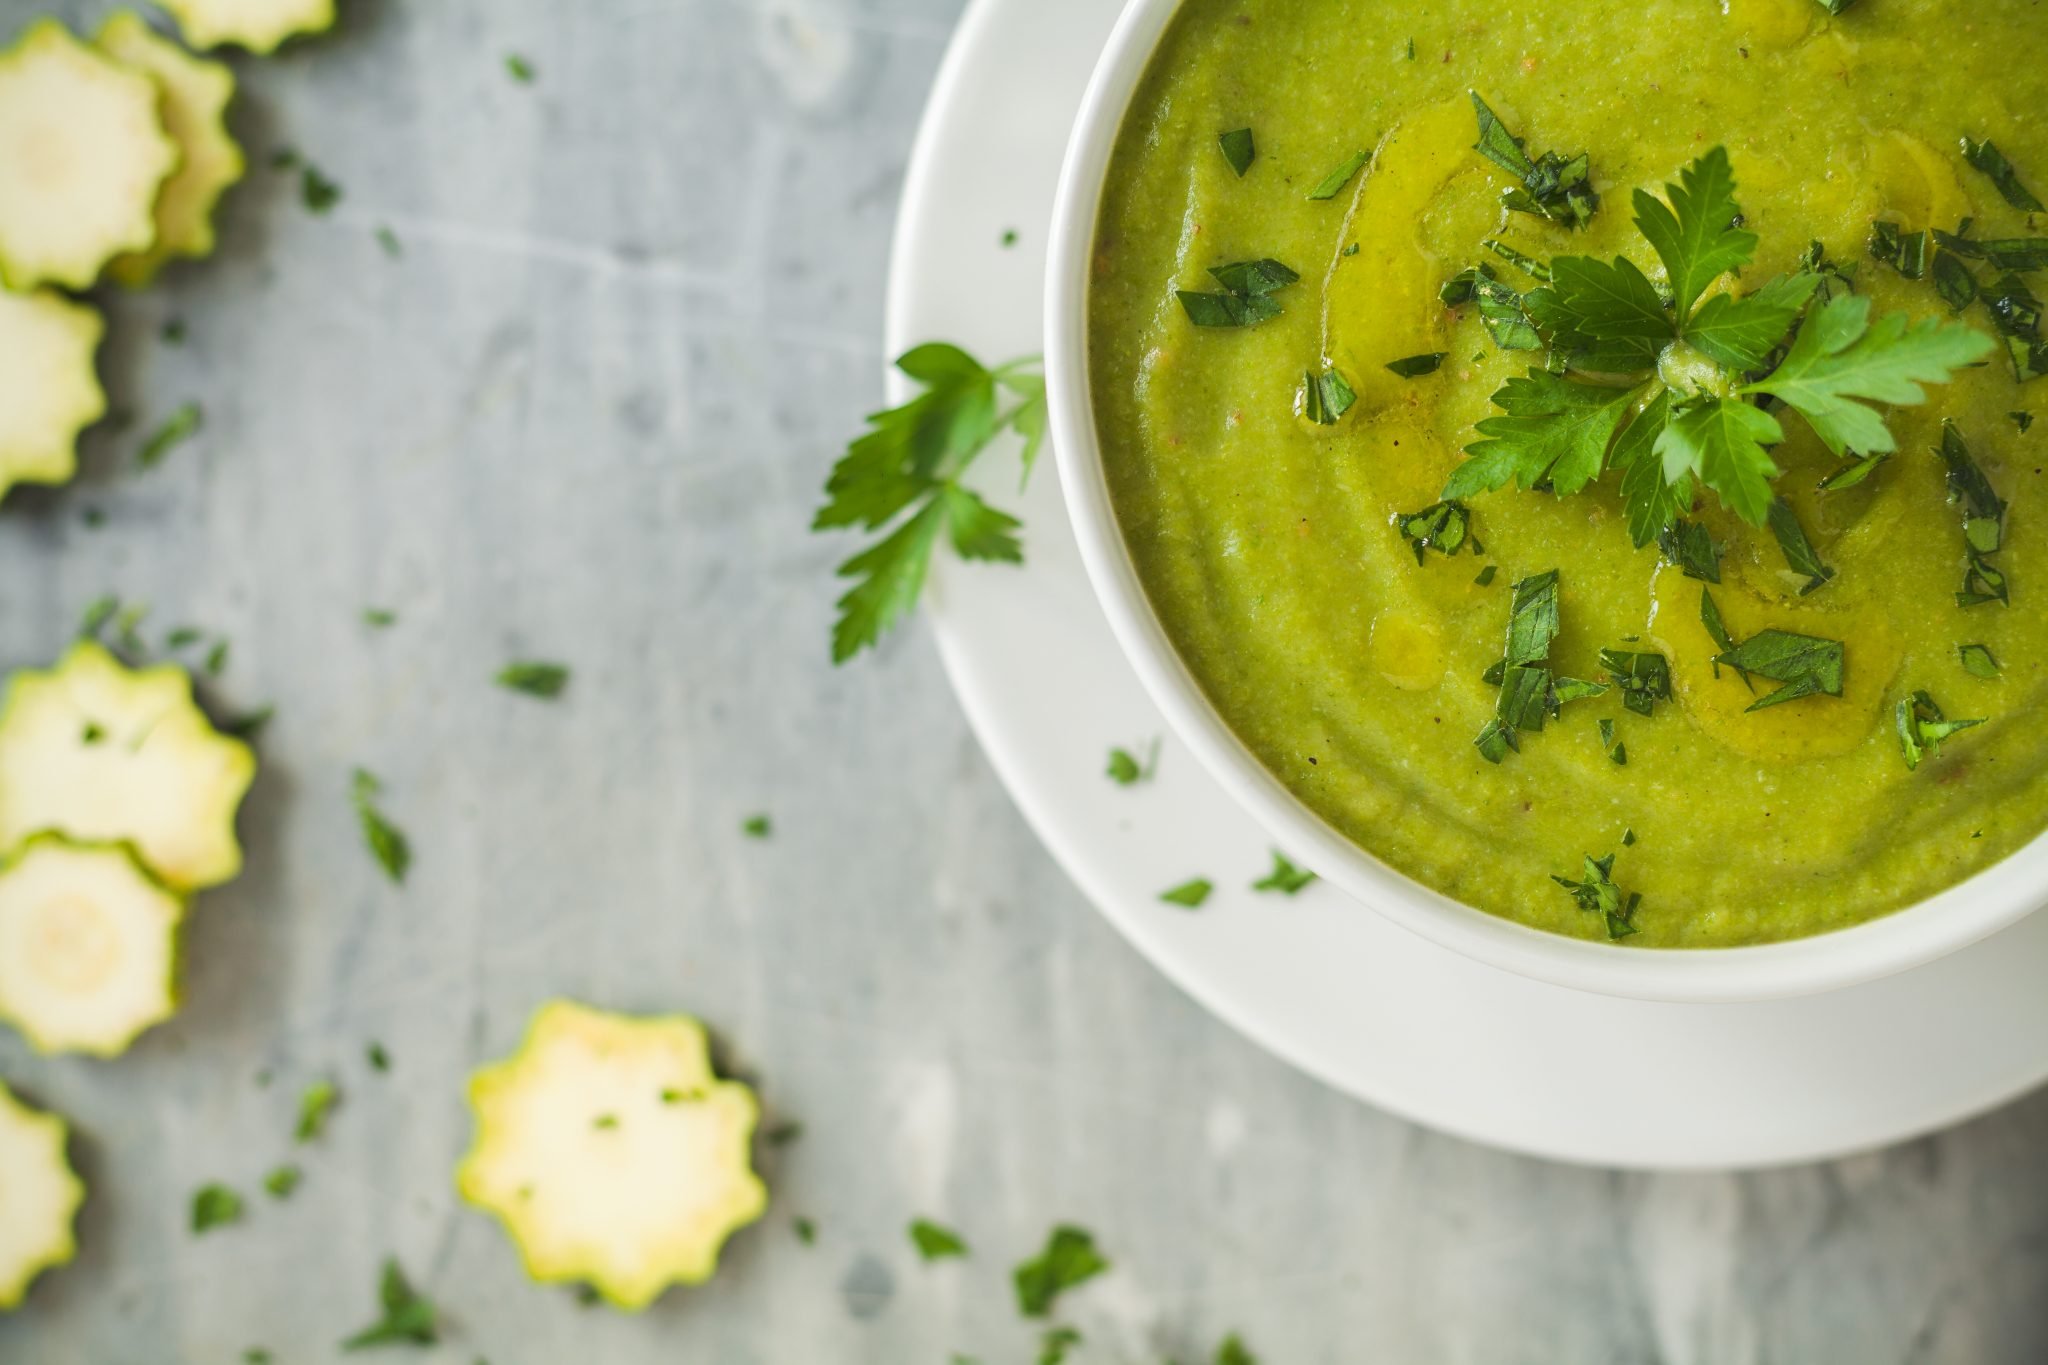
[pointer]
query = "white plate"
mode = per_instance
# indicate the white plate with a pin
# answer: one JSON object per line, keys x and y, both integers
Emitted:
{"x": 1319, "y": 979}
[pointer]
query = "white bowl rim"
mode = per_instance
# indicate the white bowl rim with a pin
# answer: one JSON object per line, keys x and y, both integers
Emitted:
{"x": 1987, "y": 902}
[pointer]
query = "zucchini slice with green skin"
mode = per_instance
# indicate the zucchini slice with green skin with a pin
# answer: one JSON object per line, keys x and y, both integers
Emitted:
{"x": 39, "y": 1197}
{"x": 611, "y": 1152}
{"x": 258, "y": 25}
{"x": 195, "y": 101}
{"x": 103, "y": 753}
{"x": 83, "y": 153}
{"x": 49, "y": 391}
{"x": 88, "y": 946}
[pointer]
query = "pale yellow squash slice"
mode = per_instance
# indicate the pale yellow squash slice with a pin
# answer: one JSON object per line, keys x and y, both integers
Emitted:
{"x": 103, "y": 753}
{"x": 611, "y": 1153}
{"x": 258, "y": 25}
{"x": 49, "y": 391}
{"x": 83, "y": 153}
{"x": 195, "y": 101}
{"x": 88, "y": 946}
{"x": 39, "y": 1197}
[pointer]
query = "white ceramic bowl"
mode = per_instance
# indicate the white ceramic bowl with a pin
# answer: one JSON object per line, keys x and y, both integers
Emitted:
{"x": 1988, "y": 902}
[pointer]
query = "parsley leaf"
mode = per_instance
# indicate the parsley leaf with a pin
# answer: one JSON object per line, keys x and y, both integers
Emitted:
{"x": 1247, "y": 300}
{"x": 1717, "y": 631}
{"x": 1799, "y": 552}
{"x": 1327, "y": 187}
{"x": 1614, "y": 750}
{"x": 1978, "y": 660}
{"x": 1986, "y": 157}
{"x": 1922, "y": 727}
{"x": 1445, "y": 527}
{"x": 1597, "y": 894}
{"x": 1651, "y": 500}
{"x": 1126, "y": 771}
{"x": 316, "y": 191}
{"x": 518, "y": 68}
{"x": 181, "y": 426}
{"x": 1502, "y": 310}
{"x": 1285, "y": 877}
{"x": 915, "y": 453}
{"x": 1325, "y": 397}
{"x": 408, "y": 1317}
{"x": 1054, "y": 1344}
{"x": 1234, "y": 1352}
{"x": 388, "y": 844}
{"x": 935, "y": 1243}
{"x": 1690, "y": 546}
{"x": 1238, "y": 149}
{"x": 1805, "y": 664}
{"x": 757, "y": 826}
{"x": 1552, "y": 186}
{"x": 1720, "y": 442}
{"x": 1069, "y": 1259}
{"x": 315, "y": 1104}
{"x": 1742, "y": 332}
{"x": 1553, "y": 432}
{"x": 1983, "y": 521}
{"x": 1190, "y": 894}
{"x": 1415, "y": 366}
{"x": 543, "y": 680}
{"x": 1696, "y": 237}
{"x": 1840, "y": 356}
{"x": 282, "y": 1181}
{"x": 215, "y": 1206}
{"x": 1644, "y": 678}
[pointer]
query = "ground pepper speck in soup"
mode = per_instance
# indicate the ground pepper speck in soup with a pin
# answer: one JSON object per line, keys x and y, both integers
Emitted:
{"x": 1371, "y": 607}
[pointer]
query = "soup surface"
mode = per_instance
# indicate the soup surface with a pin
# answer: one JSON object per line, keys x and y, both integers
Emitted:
{"x": 1357, "y": 666}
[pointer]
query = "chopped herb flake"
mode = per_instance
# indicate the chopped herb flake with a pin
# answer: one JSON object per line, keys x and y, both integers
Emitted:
{"x": 1248, "y": 297}
{"x": 1986, "y": 157}
{"x": 519, "y": 69}
{"x": 1189, "y": 894}
{"x": 1644, "y": 678}
{"x": 935, "y": 1243}
{"x": 1325, "y": 397}
{"x": 757, "y": 826}
{"x": 316, "y": 1103}
{"x": 377, "y": 1057}
{"x": 1329, "y": 185}
{"x": 1596, "y": 893}
{"x": 1069, "y": 1258}
{"x": 1552, "y": 186}
{"x": 282, "y": 1181}
{"x": 1285, "y": 877}
{"x": 316, "y": 191}
{"x": 1922, "y": 727}
{"x": 181, "y": 426}
{"x": 1690, "y": 546}
{"x": 388, "y": 844}
{"x": 1238, "y": 149}
{"x": 1415, "y": 366}
{"x": 806, "y": 1231}
{"x": 215, "y": 1206}
{"x": 1445, "y": 527}
{"x": 1805, "y": 664}
{"x": 543, "y": 680}
{"x": 1799, "y": 552}
{"x": 408, "y": 1318}
{"x": 1978, "y": 661}
{"x": 1126, "y": 770}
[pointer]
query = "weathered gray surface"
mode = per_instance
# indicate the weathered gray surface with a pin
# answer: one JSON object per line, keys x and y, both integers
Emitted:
{"x": 584, "y": 417}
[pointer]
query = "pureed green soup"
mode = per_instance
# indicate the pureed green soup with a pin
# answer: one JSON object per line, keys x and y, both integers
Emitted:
{"x": 1282, "y": 489}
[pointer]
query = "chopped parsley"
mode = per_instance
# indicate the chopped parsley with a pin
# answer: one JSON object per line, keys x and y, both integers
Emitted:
{"x": 757, "y": 826}
{"x": 1983, "y": 521}
{"x": 180, "y": 636}
{"x": 1799, "y": 552}
{"x": 282, "y": 1181}
{"x": 388, "y": 240}
{"x": 1905, "y": 252}
{"x": 1325, "y": 397}
{"x": 97, "y": 613}
{"x": 911, "y": 461}
{"x": 806, "y": 1231}
{"x": 316, "y": 191}
{"x": 1529, "y": 691}
{"x": 1501, "y": 307}
{"x": 1069, "y": 1259}
{"x": 1690, "y": 546}
{"x": 1190, "y": 894}
{"x": 1054, "y": 1344}
{"x": 784, "y": 1133}
{"x": 408, "y": 1317}
{"x": 387, "y": 842}
{"x": 1247, "y": 298}
{"x": 1922, "y": 727}
{"x": 1610, "y": 746}
{"x": 1717, "y": 630}
{"x": 1986, "y": 157}
{"x": 1329, "y": 185}
{"x": 1552, "y": 186}
{"x": 1415, "y": 366}
{"x": 172, "y": 333}
{"x": 249, "y": 724}
{"x": 215, "y": 1206}
{"x": 1597, "y": 894}
{"x": 2023, "y": 420}
{"x": 1285, "y": 877}
{"x": 534, "y": 678}
{"x": 181, "y": 426}
{"x": 1643, "y": 677}
{"x": 1672, "y": 387}
{"x": 1445, "y": 527}
{"x": 935, "y": 1243}
{"x": 316, "y": 1103}
{"x": 377, "y": 1057}
{"x": 1238, "y": 149}
{"x": 518, "y": 68}
{"x": 2016, "y": 313}
{"x": 1126, "y": 771}
{"x": 1805, "y": 664}
{"x": 1485, "y": 578}
{"x": 1977, "y": 660}
{"x": 1858, "y": 469}
{"x": 379, "y": 617}
{"x": 216, "y": 659}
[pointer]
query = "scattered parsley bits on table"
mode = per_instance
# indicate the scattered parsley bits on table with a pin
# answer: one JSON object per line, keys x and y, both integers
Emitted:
{"x": 282, "y": 1181}
{"x": 1238, "y": 149}
{"x": 407, "y": 1316}
{"x": 1070, "y": 1258}
{"x": 935, "y": 1243}
{"x": 1190, "y": 894}
{"x": 1285, "y": 877}
{"x": 387, "y": 843}
{"x": 1126, "y": 770}
{"x": 316, "y": 1103}
{"x": 181, "y": 426}
{"x": 1596, "y": 893}
{"x": 535, "y": 679}
{"x": 757, "y": 827}
{"x": 911, "y": 462}
{"x": 215, "y": 1206}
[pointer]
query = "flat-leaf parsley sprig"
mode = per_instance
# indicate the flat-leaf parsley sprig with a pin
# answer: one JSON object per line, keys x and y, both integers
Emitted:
{"x": 1667, "y": 383}
{"x": 910, "y": 462}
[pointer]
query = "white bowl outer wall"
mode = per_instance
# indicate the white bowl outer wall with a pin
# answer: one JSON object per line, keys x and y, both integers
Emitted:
{"x": 1952, "y": 919}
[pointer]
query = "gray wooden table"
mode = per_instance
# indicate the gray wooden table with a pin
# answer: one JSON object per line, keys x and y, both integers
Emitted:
{"x": 584, "y": 415}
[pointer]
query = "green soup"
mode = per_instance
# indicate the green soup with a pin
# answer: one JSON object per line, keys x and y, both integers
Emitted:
{"x": 1270, "y": 544}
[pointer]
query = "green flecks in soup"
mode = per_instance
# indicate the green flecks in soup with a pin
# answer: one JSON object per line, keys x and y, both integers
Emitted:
{"x": 1748, "y": 742}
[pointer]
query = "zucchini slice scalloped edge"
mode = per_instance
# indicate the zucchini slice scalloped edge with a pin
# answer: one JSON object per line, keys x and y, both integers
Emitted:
{"x": 83, "y": 153}
{"x": 88, "y": 946}
{"x": 102, "y": 753}
{"x": 49, "y": 388}
{"x": 41, "y": 1198}
{"x": 257, "y": 25}
{"x": 196, "y": 93}
{"x": 611, "y": 1152}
